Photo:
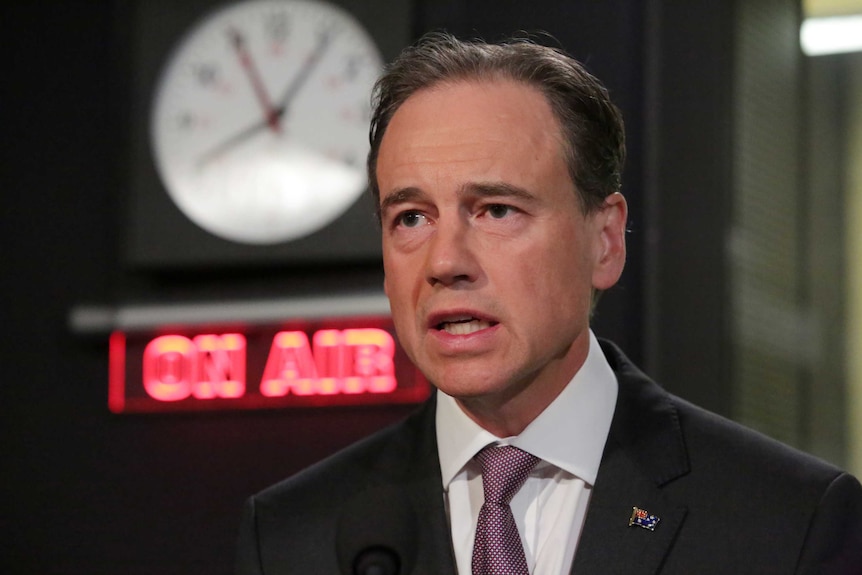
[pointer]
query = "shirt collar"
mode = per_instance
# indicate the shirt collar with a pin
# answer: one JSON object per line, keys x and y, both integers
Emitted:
{"x": 570, "y": 433}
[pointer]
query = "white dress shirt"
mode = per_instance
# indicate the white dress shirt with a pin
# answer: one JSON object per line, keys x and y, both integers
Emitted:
{"x": 568, "y": 436}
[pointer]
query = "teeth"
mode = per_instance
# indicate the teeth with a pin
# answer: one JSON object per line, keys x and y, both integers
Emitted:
{"x": 465, "y": 327}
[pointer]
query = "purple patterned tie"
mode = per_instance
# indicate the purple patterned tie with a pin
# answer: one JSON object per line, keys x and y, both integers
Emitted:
{"x": 498, "y": 549}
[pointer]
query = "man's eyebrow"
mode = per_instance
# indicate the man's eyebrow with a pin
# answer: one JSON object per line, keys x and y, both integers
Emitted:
{"x": 481, "y": 189}
{"x": 496, "y": 189}
{"x": 401, "y": 196}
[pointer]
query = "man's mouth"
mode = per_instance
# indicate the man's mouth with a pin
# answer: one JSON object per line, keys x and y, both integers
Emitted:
{"x": 464, "y": 326}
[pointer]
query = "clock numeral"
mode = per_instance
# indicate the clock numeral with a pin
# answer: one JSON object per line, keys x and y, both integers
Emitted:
{"x": 206, "y": 74}
{"x": 359, "y": 114}
{"x": 277, "y": 27}
{"x": 348, "y": 114}
{"x": 334, "y": 83}
{"x": 365, "y": 112}
{"x": 325, "y": 34}
{"x": 345, "y": 157}
{"x": 352, "y": 67}
{"x": 187, "y": 121}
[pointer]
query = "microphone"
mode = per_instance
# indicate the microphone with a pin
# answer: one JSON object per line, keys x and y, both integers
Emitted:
{"x": 377, "y": 533}
{"x": 377, "y": 561}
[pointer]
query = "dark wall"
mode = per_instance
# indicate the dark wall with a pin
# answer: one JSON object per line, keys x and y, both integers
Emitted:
{"x": 85, "y": 491}
{"x": 689, "y": 114}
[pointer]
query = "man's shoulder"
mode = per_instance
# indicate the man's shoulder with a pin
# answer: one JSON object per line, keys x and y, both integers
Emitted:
{"x": 695, "y": 451}
{"x": 741, "y": 462}
{"x": 724, "y": 485}
{"x": 716, "y": 437}
{"x": 382, "y": 493}
{"x": 386, "y": 455}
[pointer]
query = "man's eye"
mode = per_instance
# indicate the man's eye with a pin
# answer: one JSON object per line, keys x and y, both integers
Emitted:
{"x": 410, "y": 219}
{"x": 498, "y": 211}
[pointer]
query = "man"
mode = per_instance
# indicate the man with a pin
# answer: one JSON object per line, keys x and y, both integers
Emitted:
{"x": 497, "y": 173}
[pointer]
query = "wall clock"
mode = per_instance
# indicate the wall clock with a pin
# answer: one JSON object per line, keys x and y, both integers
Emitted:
{"x": 259, "y": 119}
{"x": 180, "y": 64}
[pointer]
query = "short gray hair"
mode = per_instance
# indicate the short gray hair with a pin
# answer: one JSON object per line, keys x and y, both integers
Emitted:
{"x": 592, "y": 126}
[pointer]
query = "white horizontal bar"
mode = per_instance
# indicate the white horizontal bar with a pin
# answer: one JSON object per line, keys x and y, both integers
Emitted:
{"x": 832, "y": 35}
{"x": 130, "y": 317}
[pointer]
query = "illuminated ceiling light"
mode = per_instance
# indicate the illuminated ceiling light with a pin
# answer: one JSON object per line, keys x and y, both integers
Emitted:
{"x": 833, "y": 35}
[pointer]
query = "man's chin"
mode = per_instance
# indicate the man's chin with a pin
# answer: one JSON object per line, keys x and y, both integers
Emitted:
{"x": 463, "y": 386}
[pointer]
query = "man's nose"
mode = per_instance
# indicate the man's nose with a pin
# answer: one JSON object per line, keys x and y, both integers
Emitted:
{"x": 451, "y": 257}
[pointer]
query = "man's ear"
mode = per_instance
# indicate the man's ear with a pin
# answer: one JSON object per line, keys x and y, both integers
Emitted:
{"x": 609, "y": 226}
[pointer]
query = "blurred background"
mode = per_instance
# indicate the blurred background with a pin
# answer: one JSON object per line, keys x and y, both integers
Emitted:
{"x": 743, "y": 290}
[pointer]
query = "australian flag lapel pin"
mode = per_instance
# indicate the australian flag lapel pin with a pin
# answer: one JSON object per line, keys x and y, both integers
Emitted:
{"x": 642, "y": 518}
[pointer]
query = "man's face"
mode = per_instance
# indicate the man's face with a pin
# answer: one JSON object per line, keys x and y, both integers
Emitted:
{"x": 489, "y": 260}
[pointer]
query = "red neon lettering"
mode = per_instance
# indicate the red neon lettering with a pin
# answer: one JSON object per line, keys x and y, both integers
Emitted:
{"x": 168, "y": 368}
{"x": 373, "y": 350}
{"x": 289, "y": 367}
{"x": 349, "y": 361}
{"x": 220, "y": 366}
{"x": 331, "y": 360}
{"x": 210, "y": 366}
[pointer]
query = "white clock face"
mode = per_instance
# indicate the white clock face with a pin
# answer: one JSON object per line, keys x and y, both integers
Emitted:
{"x": 259, "y": 124}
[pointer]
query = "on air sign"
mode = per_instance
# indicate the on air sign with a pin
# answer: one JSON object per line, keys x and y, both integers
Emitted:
{"x": 354, "y": 362}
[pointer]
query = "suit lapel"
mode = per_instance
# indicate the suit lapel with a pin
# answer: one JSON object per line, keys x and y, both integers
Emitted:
{"x": 421, "y": 479}
{"x": 644, "y": 452}
{"x": 608, "y": 544}
{"x": 399, "y": 505}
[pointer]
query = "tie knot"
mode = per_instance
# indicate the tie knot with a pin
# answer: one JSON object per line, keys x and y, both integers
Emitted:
{"x": 504, "y": 471}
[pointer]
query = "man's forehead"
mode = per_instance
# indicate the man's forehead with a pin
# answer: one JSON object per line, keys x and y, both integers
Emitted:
{"x": 470, "y": 120}
{"x": 471, "y": 112}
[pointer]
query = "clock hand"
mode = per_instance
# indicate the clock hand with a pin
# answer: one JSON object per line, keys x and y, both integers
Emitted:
{"x": 234, "y": 140}
{"x": 299, "y": 80}
{"x": 323, "y": 40}
{"x": 271, "y": 114}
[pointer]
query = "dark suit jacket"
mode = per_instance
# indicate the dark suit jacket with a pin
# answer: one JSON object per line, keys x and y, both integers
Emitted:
{"x": 730, "y": 501}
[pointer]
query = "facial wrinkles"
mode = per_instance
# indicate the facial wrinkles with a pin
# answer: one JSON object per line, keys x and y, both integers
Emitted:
{"x": 435, "y": 163}
{"x": 461, "y": 139}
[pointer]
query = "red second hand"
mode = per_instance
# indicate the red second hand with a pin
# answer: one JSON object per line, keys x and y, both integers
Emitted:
{"x": 272, "y": 116}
